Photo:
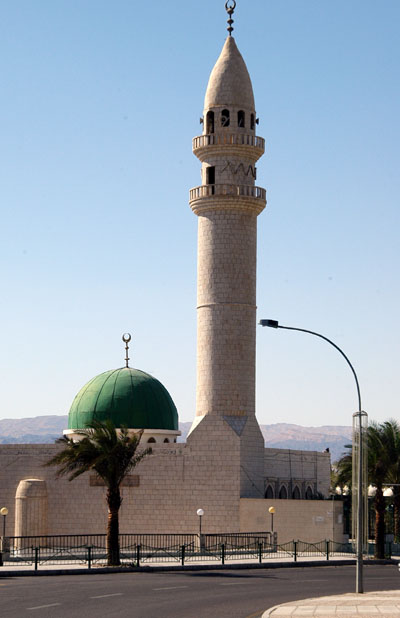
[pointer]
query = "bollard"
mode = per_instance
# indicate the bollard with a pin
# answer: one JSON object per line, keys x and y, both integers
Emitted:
{"x": 89, "y": 557}
{"x": 260, "y": 553}
{"x": 137, "y": 555}
{"x": 327, "y": 550}
{"x": 223, "y": 553}
{"x": 295, "y": 551}
{"x": 183, "y": 555}
{"x": 36, "y": 558}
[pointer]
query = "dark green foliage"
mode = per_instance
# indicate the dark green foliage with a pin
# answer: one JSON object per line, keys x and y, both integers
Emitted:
{"x": 112, "y": 454}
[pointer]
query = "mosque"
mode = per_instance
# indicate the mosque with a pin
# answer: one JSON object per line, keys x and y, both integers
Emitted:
{"x": 223, "y": 468}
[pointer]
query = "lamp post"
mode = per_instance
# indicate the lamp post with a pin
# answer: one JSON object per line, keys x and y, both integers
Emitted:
{"x": 4, "y": 512}
{"x": 200, "y": 513}
{"x": 359, "y": 453}
{"x": 272, "y": 511}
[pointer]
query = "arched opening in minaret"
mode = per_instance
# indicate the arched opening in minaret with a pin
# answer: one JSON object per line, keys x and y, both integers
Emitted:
{"x": 269, "y": 494}
{"x": 225, "y": 118}
{"x": 252, "y": 122}
{"x": 210, "y": 122}
{"x": 283, "y": 493}
{"x": 166, "y": 441}
{"x": 210, "y": 175}
{"x": 241, "y": 118}
{"x": 151, "y": 440}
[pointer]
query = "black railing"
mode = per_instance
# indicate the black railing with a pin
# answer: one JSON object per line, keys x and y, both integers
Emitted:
{"x": 136, "y": 549}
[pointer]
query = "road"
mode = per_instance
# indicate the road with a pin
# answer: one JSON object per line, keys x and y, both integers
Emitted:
{"x": 192, "y": 594}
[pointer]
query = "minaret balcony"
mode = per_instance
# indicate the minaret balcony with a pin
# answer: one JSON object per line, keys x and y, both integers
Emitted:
{"x": 232, "y": 197}
{"x": 234, "y": 143}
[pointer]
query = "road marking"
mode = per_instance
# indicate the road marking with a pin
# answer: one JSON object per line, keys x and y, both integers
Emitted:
{"x": 236, "y": 583}
{"x": 103, "y": 596}
{"x": 171, "y": 588}
{"x": 306, "y": 581}
{"x": 43, "y": 606}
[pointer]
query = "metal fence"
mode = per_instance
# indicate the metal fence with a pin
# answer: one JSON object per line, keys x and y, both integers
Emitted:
{"x": 142, "y": 549}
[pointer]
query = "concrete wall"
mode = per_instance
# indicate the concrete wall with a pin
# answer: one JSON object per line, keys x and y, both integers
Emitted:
{"x": 304, "y": 520}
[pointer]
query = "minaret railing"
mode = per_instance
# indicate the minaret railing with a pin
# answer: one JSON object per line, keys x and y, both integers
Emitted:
{"x": 241, "y": 139}
{"x": 228, "y": 191}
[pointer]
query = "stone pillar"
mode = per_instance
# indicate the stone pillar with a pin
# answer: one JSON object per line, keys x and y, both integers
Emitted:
{"x": 31, "y": 508}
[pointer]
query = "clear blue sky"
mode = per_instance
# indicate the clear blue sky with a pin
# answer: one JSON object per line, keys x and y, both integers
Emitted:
{"x": 100, "y": 101}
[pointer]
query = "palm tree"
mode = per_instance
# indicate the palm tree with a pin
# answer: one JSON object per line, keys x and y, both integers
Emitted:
{"x": 392, "y": 440}
{"x": 379, "y": 465}
{"x": 112, "y": 454}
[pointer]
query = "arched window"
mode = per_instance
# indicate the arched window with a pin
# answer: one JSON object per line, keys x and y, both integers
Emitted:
{"x": 151, "y": 440}
{"x": 309, "y": 493}
{"x": 283, "y": 493}
{"x": 210, "y": 122}
{"x": 269, "y": 494}
{"x": 241, "y": 118}
{"x": 166, "y": 440}
{"x": 225, "y": 118}
{"x": 296, "y": 493}
{"x": 252, "y": 124}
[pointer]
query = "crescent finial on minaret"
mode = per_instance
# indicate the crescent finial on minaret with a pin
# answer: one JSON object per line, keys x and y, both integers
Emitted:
{"x": 230, "y": 6}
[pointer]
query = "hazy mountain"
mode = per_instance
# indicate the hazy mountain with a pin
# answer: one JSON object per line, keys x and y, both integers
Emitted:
{"x": 45, "y": 429}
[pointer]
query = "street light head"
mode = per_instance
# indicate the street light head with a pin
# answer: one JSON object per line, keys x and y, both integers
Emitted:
{"x": 270, "y": 323}
{"x": 200, "y": 512}
{"x": 4, "y": 511}
{"x": 271, "y": 510}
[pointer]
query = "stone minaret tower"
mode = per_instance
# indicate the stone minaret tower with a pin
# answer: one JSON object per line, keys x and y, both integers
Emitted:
{"x": 227, "y": 204}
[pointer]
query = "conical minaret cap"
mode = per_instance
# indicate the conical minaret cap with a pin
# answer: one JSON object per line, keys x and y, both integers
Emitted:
{"x": 229, "y": 82}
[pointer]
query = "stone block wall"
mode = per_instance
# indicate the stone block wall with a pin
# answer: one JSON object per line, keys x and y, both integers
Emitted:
{"x": 304, "y": 520}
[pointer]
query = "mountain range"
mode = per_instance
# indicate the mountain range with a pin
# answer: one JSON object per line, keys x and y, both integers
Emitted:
{"x": 45, "y": 429}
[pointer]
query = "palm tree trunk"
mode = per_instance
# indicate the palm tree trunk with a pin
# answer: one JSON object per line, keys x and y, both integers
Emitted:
{"x": 396, "y": 503}
{"x": 114, "y": 503}
{"x": 379, "y": 524}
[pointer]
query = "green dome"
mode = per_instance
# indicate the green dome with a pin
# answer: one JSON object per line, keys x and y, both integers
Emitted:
{"x": 128, "y": 397}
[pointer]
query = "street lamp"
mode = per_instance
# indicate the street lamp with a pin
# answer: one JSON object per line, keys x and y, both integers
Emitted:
{"x": 200, "y": 513}
{"x": 272, "y": 511}
{"x": 4, "y": 512}
{"x": 359, "y": 456}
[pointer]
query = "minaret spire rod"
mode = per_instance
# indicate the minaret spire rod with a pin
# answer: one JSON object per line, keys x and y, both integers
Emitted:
{"x": 126, "y": 337}
{"x": 230, "y": 6}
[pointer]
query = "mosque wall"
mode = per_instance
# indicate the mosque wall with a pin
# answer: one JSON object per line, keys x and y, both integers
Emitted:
{"x": 305, "y": 520}
{"x": 164, "y": 492}
{"x": 307, "y": 470}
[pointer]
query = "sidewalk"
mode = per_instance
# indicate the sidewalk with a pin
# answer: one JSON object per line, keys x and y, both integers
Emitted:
{"x": 384, "y": 604}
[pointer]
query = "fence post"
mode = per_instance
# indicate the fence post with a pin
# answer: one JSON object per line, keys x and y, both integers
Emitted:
{"x": 89, "y": 557}
{"x": 183, "y": 554}
{"x": 223, "y": 553}
{"x": 1, "y": 558}
{"x": 327, "y": 549}
{"x": 295, "y": 551}
{"x": 137, "y": 555}
{"x": 36, "y": 557}
{"x": 260, "y": 553}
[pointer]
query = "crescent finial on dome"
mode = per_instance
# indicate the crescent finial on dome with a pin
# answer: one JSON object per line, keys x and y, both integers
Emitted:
{"x": 126, "y": 337}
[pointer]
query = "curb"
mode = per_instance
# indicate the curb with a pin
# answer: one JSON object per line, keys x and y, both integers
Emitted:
{"x": 191, "y": 567}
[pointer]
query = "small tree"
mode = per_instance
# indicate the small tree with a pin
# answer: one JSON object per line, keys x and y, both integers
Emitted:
{"x": 112, "y": 454}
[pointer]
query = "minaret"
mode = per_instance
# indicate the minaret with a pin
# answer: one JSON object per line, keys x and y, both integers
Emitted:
{"x": 227, "y": 204}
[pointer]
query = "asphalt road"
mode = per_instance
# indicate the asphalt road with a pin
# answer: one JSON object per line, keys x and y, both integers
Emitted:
{"x": 192, "y": 594}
